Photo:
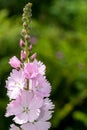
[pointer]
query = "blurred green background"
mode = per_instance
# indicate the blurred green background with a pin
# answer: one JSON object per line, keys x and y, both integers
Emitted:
{"x": 59, "y": 36}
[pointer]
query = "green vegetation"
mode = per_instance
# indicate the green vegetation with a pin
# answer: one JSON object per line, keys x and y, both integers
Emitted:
{"x": 59, "y": 33}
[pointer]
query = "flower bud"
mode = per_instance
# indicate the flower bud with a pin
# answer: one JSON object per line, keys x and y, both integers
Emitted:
{"x": 30, "y": 47}
{"x": 23, "y": 18}
{"x": 23, "y": 55}
{"x": 33, "y": 56}
{"x": 27, "y": 37}
{"x": 29, "y": 4}
{"x": 22, "y": 44}
{"x": 25, "y": 24}
{"x": 15, "y": 62}
{"x": 23, "y": 32}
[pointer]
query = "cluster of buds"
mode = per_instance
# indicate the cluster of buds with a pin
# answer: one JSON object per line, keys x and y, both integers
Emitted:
{"x": 25, "y": 41}
{"x": 27, "y": 86}
{"x": 26, "y": 21}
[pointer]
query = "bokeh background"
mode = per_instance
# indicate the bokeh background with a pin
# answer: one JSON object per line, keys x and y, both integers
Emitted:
{"x": 59, "y": 36}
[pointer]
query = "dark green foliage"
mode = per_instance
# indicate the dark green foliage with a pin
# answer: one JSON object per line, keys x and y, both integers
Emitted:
{"x": 60, "y": 29}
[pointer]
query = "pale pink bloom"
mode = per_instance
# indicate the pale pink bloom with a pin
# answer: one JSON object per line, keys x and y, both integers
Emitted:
{"x": 46, "y": 110}
{"x": 25, "y": 108}
{"x": 41, "y": 67}
{"x": 36, "y": 126}
{"x": 40, "y": 86}
{"x": 15, "y": 62}
{"x": 14, "y": 127}
{"x": 42, "y": 122}
{"x": 32, "y": 70}
{"x": 15, "y": 83}
{"x": 23, "y": 55}
{"x": 28, "y": 126}
{"x": 48, "y": 105}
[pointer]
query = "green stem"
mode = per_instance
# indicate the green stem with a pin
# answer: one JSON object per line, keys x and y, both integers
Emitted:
{"x": 27, "y": 52}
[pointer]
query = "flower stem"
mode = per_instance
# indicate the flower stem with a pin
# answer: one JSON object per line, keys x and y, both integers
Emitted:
{"x": 26, "y": 18}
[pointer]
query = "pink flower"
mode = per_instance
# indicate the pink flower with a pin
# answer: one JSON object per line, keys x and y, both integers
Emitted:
{"x": 48, "y": 105}
{"x": 42, "y": 122}
{"x": 41, "y": 67}
{"x": 25, "y": 108}
{"x": 15, "y": 83}
{"x": 46, "y": 110}
{"x": 36, "y": 126}
{"x": 27, "y": 87}
{"x": 32, "y": 70}
{"x": 40, "y": 86}
{"x": 14, "y": 127}
{"x": 15, "y": 62}
{"x": 28, "y": 126}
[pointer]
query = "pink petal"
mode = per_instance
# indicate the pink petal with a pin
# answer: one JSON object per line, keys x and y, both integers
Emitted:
{"x": 26, "y": 98}
{"x": 36, "y": 102}
{"x": 28, "y": 126}
{"x": 42, "y": 125}
{"x": 21, "y": 118}
{"x": 14, "y": 127}
{"x": 15, "y": 62}
{"x": 33, "y": 115}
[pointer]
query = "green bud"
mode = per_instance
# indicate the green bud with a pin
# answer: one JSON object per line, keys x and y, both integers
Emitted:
{"x": 25, "y": 24}
{"x": 26, "y": 18}
{"x": 27, "y": 37}
{"x": 23, "y": 32}
{"x": 23, "y": 19}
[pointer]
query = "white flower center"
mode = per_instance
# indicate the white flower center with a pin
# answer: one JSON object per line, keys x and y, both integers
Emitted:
{"x": 26, "y": 109}
{"x": 17, "y": 84}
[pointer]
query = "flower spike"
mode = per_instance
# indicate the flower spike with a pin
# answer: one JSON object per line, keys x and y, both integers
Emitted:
{"x": 27, "y": 86}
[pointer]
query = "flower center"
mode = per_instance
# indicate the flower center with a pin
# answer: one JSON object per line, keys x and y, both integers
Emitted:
{"x": 38, "y": 87}
{"x": 17, "y": 84}
{"x": 25, "y": 109}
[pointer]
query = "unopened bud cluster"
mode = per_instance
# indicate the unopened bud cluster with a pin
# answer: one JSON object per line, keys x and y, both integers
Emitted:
{"x": 25, "y": 41}
{"x": 26, "y": 18}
